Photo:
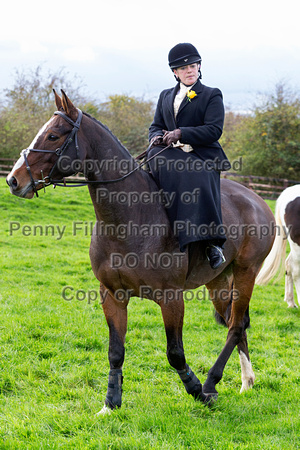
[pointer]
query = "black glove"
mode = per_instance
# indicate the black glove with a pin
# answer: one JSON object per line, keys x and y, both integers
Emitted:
{"x": 157, "y": 140}
{"x": 171, "y": 137}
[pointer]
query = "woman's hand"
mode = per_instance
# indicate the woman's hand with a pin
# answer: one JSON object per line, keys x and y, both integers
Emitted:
{"x": 157, "y": 140}
{"x": 171, "y": 137}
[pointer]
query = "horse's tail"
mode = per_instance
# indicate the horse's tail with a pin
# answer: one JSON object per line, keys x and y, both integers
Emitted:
{"x": 273, "y": 264}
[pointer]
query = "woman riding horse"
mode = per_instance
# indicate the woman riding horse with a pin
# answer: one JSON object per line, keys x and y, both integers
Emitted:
{"x": 190, "y": 118}
{"x": 73, "y": 136}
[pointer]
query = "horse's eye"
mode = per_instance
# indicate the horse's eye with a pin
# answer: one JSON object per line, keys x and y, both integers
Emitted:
{"x": 52, "y": 137}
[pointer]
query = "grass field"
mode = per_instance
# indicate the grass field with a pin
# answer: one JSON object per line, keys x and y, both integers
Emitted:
{"x": 54, "y": 366}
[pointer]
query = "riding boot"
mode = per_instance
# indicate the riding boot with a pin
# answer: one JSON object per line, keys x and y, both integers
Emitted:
{"x": 215, "y": 256}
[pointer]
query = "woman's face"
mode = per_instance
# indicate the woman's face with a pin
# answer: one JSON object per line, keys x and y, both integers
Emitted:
{"x": 188, "y": 75}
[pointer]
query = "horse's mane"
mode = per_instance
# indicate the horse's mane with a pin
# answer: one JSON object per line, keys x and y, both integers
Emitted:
{"x": 109, "y": 132}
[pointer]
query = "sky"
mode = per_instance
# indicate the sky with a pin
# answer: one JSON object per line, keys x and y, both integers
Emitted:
{"x": 121, "y": 46}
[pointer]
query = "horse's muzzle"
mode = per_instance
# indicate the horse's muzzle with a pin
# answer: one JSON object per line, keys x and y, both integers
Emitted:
{"x": 12, "y": 183}
{"x": 15, "y": 189}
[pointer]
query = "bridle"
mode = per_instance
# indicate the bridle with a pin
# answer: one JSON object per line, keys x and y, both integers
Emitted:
{"x": 48, "y": 180}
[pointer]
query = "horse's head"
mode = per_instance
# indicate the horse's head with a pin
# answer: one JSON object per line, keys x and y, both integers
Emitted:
{"x": 46, "y": 159}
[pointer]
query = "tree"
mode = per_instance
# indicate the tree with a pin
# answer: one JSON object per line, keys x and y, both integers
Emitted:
{"x": 232, "y": 122}
{"x": 129, "y": 119}
{"x": 28, "y": 105}
{"x": 268, "y": 140}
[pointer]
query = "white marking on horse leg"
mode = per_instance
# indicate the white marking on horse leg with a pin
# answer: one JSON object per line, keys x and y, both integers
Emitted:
{"x": 295, "y": 267}
{"x": 289, "y": 291}
{"x": 104, "y": 411}
{"x": 248, "y": 376}
{"x": 297, "y": 286}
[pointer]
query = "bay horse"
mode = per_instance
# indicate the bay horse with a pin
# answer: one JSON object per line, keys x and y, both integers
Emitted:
{"x": 147, "y": 263}
{"x": 287, "y": 215}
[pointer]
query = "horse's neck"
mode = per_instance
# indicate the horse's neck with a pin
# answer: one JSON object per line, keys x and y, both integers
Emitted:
{"x": 120, "y": 202}
{"x": 109, "y": 158}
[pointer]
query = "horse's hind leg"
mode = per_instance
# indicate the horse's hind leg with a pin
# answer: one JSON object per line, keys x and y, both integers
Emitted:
{"x": 173, "y": 312}
{"x": 248, "y": 376}
{"x": 116, "y": 316}
{"x": 233, "y": 310}
{"x": 289, "y": 288}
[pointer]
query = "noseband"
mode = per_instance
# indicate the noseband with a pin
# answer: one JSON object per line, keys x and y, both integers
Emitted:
{"x": 46, "y": 181}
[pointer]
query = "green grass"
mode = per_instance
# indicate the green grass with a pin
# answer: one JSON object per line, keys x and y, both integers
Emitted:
{"x": 54, "y": 366}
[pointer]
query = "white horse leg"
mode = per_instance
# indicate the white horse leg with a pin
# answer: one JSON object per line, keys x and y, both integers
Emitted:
{"x": 289, "y": 291}
{"x": 297, "y": 285}
{"x": 296, "y": 270}
{"x": 296, "y": 267}
{"x": 248, "y": 376}
{"x": 293, "y": 263}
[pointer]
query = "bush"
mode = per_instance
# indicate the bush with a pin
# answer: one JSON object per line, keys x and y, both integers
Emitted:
{"x": 30, "y": 103}
{"x": 268, "y": 140}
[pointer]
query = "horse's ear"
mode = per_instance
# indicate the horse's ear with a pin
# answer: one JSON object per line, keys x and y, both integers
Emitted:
{"x": 58, "y": 101}
{"x": 68, "y": 106}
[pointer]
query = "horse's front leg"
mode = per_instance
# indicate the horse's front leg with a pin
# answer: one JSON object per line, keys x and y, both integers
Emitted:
{"x": 173, "y": 312}
{"x": 116, "y": 316}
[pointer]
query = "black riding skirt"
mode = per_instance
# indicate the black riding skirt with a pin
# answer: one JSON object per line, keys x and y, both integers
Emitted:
{"x": 191, "y": 189}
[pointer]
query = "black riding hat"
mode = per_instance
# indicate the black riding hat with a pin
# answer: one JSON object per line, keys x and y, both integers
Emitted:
{"x": 183, "y": 55}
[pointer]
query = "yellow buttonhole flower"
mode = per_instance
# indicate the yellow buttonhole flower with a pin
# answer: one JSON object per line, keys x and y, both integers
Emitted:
{"x": 190, "y": 95}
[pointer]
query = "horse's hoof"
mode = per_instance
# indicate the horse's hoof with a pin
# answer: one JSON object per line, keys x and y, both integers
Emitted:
{"x": 104, "y": 411}
{"x": 199, "y": 396}
{"x": 247, "y": 384}
{"x": 290, "y": 302}
{"x": 211, "y": 399}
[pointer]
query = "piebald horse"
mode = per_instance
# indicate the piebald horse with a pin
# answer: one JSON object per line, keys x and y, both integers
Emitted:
{"x": 287, "y": 215}
{"x": 153, "y": 266}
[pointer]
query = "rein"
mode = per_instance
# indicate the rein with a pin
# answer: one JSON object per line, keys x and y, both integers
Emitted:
{"x": 80, "y": 183}
{"x": 48, "y": 180}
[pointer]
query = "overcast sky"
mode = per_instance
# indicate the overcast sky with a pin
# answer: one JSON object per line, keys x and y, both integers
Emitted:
{"x": 121, "y": 46}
